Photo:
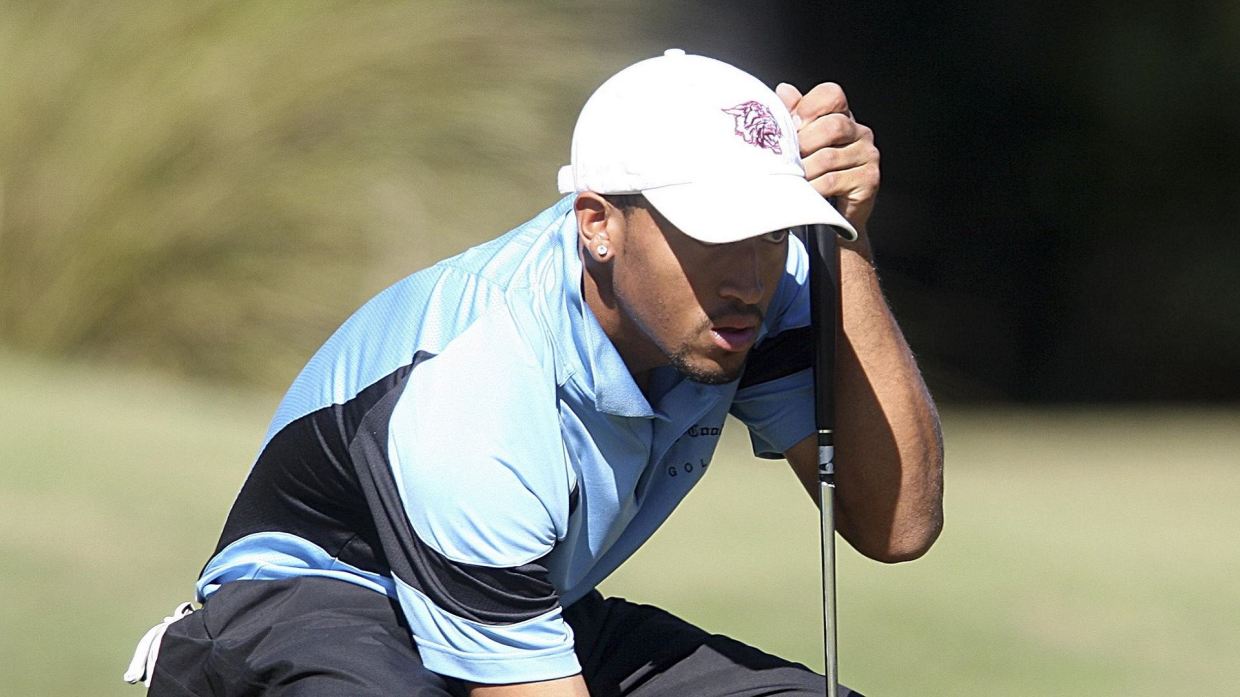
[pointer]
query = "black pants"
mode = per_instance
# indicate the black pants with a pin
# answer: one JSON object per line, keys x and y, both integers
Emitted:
{"x": 316, "y": 637}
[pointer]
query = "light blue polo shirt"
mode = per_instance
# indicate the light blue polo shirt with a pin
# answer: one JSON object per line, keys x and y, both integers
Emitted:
{"x": 471, "y": 443}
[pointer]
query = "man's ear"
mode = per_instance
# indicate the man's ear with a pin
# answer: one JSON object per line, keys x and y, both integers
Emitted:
{"x": 596, "y": 219}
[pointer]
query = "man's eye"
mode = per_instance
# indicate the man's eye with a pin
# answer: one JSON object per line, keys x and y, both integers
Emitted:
{"x": 776, "y": 237}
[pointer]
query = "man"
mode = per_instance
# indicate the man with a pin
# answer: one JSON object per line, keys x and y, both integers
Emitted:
{"x": 473, "y": 451}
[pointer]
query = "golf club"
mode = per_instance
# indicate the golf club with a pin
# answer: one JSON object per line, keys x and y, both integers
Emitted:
{"x": 824, "y": 312}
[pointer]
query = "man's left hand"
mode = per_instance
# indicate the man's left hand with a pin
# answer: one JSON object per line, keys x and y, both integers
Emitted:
{"x": 841, "y": 161}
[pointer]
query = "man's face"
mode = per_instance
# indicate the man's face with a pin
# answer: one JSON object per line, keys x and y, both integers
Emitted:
{"x": 694, "y": 305}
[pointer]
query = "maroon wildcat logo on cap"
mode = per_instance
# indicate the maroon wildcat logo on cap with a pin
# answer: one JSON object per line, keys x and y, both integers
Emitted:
{"x": 756, "y": 124}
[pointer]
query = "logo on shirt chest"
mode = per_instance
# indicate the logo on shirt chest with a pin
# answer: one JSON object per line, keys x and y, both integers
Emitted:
{"x": 697, "y": 430}
{"x": 688, "y": 467}
{"x": 697, "y": 457}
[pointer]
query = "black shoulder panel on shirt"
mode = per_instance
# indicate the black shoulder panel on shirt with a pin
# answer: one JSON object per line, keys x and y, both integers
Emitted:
{"x": 479, "y": 593}
{"x": 303, "y": 483}
{"x": 779, "y": 356}
{"x": 326, "y": 478}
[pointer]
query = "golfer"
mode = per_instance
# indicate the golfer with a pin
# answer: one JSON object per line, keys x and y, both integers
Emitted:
{"x": 471, "y": 453}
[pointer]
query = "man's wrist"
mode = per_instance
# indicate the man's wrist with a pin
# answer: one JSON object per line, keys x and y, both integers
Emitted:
{"x": 859, "y": 247}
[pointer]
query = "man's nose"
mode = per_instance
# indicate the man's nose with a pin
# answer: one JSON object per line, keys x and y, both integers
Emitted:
{"x": 743, "y": 273}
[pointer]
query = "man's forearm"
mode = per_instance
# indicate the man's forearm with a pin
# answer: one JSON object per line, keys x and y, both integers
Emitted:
{"x": 888, "y": 446}
{"x": 888, "y": 440}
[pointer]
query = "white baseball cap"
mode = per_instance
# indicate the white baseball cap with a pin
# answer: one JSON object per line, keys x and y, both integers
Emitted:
{"x": 712, "y": 148}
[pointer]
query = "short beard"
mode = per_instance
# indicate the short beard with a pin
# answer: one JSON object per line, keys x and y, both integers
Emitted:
{"x": 680, "y": 361}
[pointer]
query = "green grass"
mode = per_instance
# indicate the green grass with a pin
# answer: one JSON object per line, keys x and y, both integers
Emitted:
{"x": 1086, "y": 552}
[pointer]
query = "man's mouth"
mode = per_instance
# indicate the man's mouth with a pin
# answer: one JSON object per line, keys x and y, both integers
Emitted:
{"x": 734, "y": 338}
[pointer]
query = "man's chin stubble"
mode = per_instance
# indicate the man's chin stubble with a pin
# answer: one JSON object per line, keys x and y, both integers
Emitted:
{"x": 680, "y": 361}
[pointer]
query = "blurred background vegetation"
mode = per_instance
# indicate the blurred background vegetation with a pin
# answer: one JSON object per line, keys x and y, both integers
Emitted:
{"x": 210, "y": 189}
{"x": 193, "y": 197}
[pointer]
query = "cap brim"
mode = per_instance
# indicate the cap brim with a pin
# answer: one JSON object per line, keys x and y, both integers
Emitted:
{"x": 728, "y": 210}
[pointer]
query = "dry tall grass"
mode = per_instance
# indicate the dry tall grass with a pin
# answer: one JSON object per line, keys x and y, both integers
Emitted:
{"x": 211, "y": 187}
